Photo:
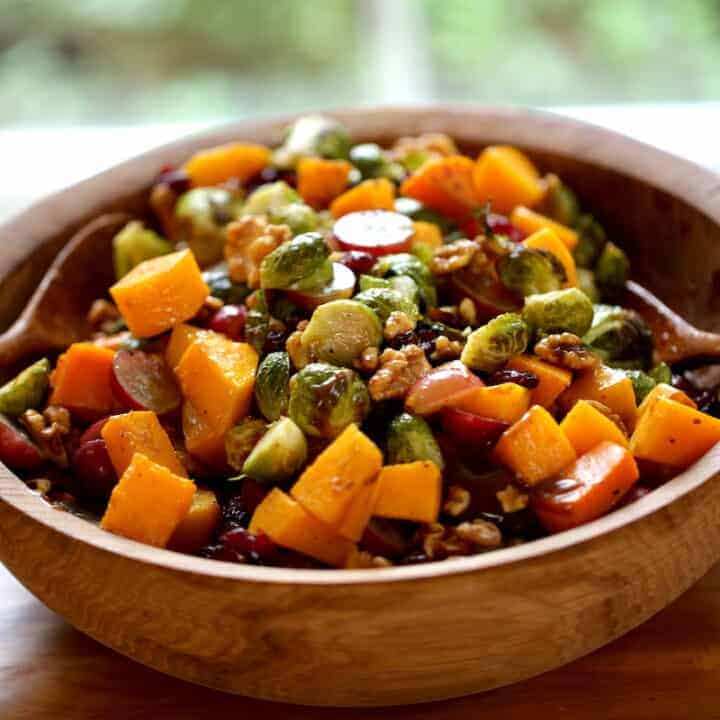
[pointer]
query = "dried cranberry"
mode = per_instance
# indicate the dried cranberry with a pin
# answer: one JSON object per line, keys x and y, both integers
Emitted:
{"x": 519, "y": 377}
{"x": 252, "y": 494}
{"x": 178, "y": 180}
{"x": 275, "y": 341}
{"x": 500, "y": 225}
{"x": 235, "y": 513}
{"x": 424, "y": 335}
{"x": 221, "y": 551}
{"x": 358, "y": 261}
{"x": 229, "y": 320}
{"x": 446, "y": 316}
{"x": 258, "y": 549}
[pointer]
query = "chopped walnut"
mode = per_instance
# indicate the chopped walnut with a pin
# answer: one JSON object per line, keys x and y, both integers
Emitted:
{"x": 398, "y": 372}
{"x": 103, "y": 316}
{"x": 209, "y": 307}
{"x": 446, "y": 349}
{"x": 434, "y": 145}
{"x": 439, "y": 542}
{"x": 605, "y": 410}
{"x": 468, "y": 311}
{"x": 480, "y": 533}
{"x": 40, "y": 485}
{"x": 512, "y": 499}
{"x": 368, "y": 361}
{"x": 162, "y": 200}
{"x": 298, "y": 353}
{"x": 49, "y": 431}
{"x": 361, "y": 560}
{"x": 396, "y": 324}
{"x": 249, "y": 240}
{"x": 457, "y": 501}
{"x": 453, "y": 256}
{"x": 566, "y": 350}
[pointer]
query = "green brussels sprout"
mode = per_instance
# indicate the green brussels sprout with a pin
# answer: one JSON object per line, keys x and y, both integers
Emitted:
{"x": 661, "y": 373}
{"x": 417, "y": 211}
{"x": 422, "y": 251}
{"x": 620, "y": 337}
{"x": 221, "y": 285}
{"x": 528, "y": 271}
{"x": 591, "y": 241}
{"x": 372, "y": 162}
{"x": 279, "y": 454}
{"x": 26, "y": 390}
{"x": 134, "y": 244}
{"x": 492, "y": 345}
{"x": 642, "y": 384}
{"x": 560, "y": 202}
{"x": 405, "y": 264}
{"x": 202, "y": 215}
{"x": 270, "y": 197}
{"x": 257, "y": 321}
{"x": 299, "y": 217}
{"x": 612, "y": 271}
{"x": 312, "y": 135}
{"x": 403, "y": 284}
{"x": 385, "y": 301}
{"x": 272, "y": 385}
{"x": 301, "y": 264}
{"x": 340, "y": 330}
{"x": 241, "y": 439}
{"x": 559, "y": 311}
{"x": 409, "y": 439}
{"x": 325, "y": 399}
{"x": 586, "y": 282}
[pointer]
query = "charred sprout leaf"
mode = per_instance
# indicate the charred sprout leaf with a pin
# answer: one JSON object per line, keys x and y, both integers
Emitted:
{"x": 642, "y": 384}
{"x": 272, "y": 385}
{"x": 134, "y": 244}
{"x": 240, "y": 440}
{"x": 270, "y": 197}
{"x": 661, "y": 373}
{"x": 257, "y": 322}
{"x": 26, "y": 390}
{"x": 493, "y": 344}
{"x": 279, "y": 454}
{"x": 591, "y": 241}
{"x": 586, "y": 283}
{"x": 299, "y": 217}
{"x": 409, "y": 439}
{"x": 325, "y": 399}
{"x": 559, "y": 311}
{"x": 313, "y": 135}
{"x": 560, "y": 202}
{"x": 415, "y": 210}
{"x": 222, "y": 287}
{"x": 621, "y": 337}
{"x": 385, "y": 301}
{"x": 301, "y": 264}
{"x": 340, "y": 330}
{"x": 612, "y": 271}
{"x": 405, "y": 264}
{"x": 528, "y": 271}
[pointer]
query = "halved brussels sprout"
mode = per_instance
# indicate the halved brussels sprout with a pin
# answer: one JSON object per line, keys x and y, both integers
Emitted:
{"x": 612, "y": 271}
{"x": 559, "y": 311}
{"x": 299, "y": 217}
{"x": 405, "y": 264}
{"x": 372, "y": 162}
{"x": 385, "y": 301}
{"x": 134, "y": 244}
{"x": 560, "y": 202}
{"x": 620, "y": 337}
{"x": 241, "y": 439}
{"x": 642, "y": 384}
{"x": 312, "y": 135}
{"x": 492, "y": 345}
{"x": 325, "y": 399}
{"x": 257, "y": 321}
{"x": 403, "y": 284}
{"x": 301, "y": 264}
{"x": 591, "y": 241}
{"x": 272, "y": 385}
{"x": 279, "y": 454}
{"x": 409, "y": 439}
{"x": 221, "y": 285}
{"x": 26, "y": 390}
{"x": 270, "y": 197}
{"x": 586, "y": 283}
{"x": 528, "y": 271}
{"x": 340, "y": 330}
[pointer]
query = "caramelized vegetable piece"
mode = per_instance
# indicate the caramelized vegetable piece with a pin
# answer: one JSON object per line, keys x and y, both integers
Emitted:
{"x": 368, "y": 195}
{"x": 197, "y": 527}
{"x": 410, "y": 491}
{"x": 359, "y": 513}
{"x": 158, "y": 294}
{"x": 445, "y": 185}
{"x": 586, "y": 427}
{"x": 535, "y": 448}
{"x": 548, "y": 239}
{"x": 234, "y": 160}
{"x": 287, "y": 524}
{"x": 671, "y": 433}
{"x": 378, "y": 232}
{"x": 607, "y": 386}
{"x": 505, "y": 177}
{"x": 139, "y": 432}
{"x": 530, "y": 222}
{"x": 507, "y": 402}
{"x": 330, "y": 485}
{"x": 552, "y": 380}
{"x": 320, "y": 181}
{"x": 443, "y": 386}
{"x": 587, "y": 490}
{"x": 663, "y": 390}
{"x": 148, "y": 503}
{"x": 81, "y": 381}
{"x": 181, "y": 338}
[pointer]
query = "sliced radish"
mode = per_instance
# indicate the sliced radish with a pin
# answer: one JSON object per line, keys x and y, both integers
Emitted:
{"x": 17, "y": 450}
{"x": 341, "y": 286}
{"x": 378, "y": 232}
{"x": 142, "y": 381}
{"x": 471, "y": 430}
{"x": 441, "y": 387}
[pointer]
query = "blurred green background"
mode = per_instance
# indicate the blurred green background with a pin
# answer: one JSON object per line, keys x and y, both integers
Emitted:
{"x": 66, "y": 62}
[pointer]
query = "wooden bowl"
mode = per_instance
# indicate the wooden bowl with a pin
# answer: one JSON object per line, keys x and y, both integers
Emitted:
{"x": 404, "y": 634}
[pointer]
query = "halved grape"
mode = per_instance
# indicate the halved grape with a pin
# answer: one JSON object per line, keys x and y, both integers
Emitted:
{"x": 142, "y": 381}
{"x": 378, "y": 232}
{"x": 471, "y": 430}
{"x": 17, "y": 450}
{"x": 341, "y": 287}
{"x": 229, "y": 320}
{"x": 92, "y": 466}
{"x": 442, "y": 386}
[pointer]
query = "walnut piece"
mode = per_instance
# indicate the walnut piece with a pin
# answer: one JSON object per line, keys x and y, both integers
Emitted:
{"x": 566, "y": 350}
{"x": 49, "y": 431}
{"x": 511, "y": 499}
{"x": 468, "y": 311}
{"x": 103, "y": 316}
{"x": 162, "y": 200}
{"x": 396, "y": 324}
{"x": 457, "y": 501}
{"x": 480, "y": 533}
{"x": 398, "y": 372}
{"x": 446, "y": 349}
{"x": 361, "y": 560}
{"x": 368, "y": 361}
{"x": 453, "y": 256}
{"x": 298, "y": 353}
{"x": 434, "y": 145}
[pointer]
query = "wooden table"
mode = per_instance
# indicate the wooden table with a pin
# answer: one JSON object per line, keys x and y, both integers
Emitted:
{"x": 668, "y": 669}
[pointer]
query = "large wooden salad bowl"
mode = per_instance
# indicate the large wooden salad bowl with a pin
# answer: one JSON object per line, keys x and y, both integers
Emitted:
{"x": 402, "y": 634}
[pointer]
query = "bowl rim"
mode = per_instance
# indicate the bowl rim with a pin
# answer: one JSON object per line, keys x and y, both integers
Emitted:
{"x": 539, "y": 130}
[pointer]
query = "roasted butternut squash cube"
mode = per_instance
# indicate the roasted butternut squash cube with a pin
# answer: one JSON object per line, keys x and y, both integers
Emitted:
{"x": 328, "y": 487}
{"x": 548, "y": 239}
{"x": 289, "y": 525}
{"x": 665, "y": 391}
{"x": 530, "y": 222}
{"x": 505, "y": 176}
{"x": 535, "y": 448}
{"x": 410, "y": 491}
{"x": 427, "y": 233}
{"x": 320, "y": 181}
{"x": 586, "y": 427}
{"x": 552, "y": 380}
{"x": 671, "y": 433}
{"x": 148, "y": 503}
{"x": 507, "y": 402}
{"x": 182, "y": 336}
{"x": 360, "y": 511}
{"x": 376, "y": 194}
{"x": 225, "y": 162}
{"x": 197, "y": 527}
{"x": 159, "y": 293}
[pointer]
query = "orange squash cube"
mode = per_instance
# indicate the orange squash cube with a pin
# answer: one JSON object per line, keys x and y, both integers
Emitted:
{"x": 197, "y": 527}
{"x": 552, "y": 380}
{"x": 225, "y": 162}
{"x": 530, "y": 222}
{"x": 159, "y": 293}
{"x": 378, "y": 194}
{"x": 181, "y": 338}
{"x": 288, "y": 524}
{"x": 427, "y": 233}
{"x": 329, "y": 486}
{"x": 547, "y": 239}
{"x": 507, "y": 402}
{"x": 665, "y": 391}
{"x": 535, "y": 448}
{"x": 360, "y": 511}
{"x": 586, "y": 427}
{"x": 671, "y": 433}
{"x": 505, "y": 176}
{"x": 320, "y": 181}
{"x": 410, "y": 491}
{"x": 148, "y": 503}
